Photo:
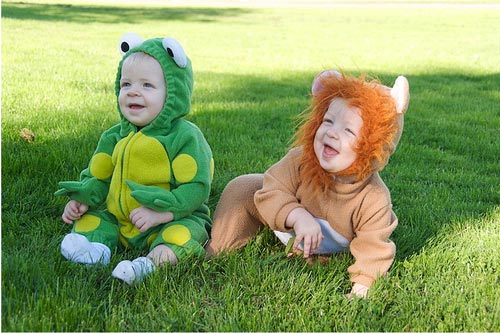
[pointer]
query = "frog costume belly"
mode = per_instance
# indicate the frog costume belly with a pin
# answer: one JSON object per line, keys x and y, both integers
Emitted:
{"x": 167, "y": 166}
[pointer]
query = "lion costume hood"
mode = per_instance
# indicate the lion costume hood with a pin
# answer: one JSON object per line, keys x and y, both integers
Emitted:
{"x": 381, "y": 109}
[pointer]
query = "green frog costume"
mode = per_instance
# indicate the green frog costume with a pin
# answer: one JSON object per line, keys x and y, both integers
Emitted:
{"x": 166, "y": 166}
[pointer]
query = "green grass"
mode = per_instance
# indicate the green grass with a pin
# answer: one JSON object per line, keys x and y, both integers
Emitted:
{"x": 253, "y": 70}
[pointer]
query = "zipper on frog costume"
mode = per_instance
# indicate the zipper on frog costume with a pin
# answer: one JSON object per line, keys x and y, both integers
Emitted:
{"x": 122, "y": 184}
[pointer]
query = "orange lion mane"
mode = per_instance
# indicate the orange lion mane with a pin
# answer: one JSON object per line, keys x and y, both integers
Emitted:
{"x": 375, "y": 142}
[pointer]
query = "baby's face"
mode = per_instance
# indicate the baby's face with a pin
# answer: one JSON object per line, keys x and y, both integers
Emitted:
{"x": 142, "y": 90}
{"x": 337, "y": 136}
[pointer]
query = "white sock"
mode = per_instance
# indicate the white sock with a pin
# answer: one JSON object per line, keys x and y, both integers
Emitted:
{"x": 133, "y": 272}
{"x": 78, "y": 248}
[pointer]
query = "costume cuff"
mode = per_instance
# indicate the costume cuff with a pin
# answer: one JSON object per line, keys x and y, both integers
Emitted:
{"x": 362, "y": 279}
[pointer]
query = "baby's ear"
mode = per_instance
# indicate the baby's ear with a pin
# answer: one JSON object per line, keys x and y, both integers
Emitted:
{"x": 401, "y": 94}
{"x": 317, "y": 86}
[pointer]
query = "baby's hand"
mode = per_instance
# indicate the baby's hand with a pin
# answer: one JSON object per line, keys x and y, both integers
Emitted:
{"x": 308, "y": 231}
{"x": 358, "y": 290}
{"x": 74, "y": 211}
{"x": 145, "y": 218}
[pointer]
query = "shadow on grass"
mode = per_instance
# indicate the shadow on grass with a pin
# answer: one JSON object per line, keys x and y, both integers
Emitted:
{"x": 113, "y": 14}
{"x": 445, "y": 170}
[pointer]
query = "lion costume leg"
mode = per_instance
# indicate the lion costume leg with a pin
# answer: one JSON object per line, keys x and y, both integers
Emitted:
{"x": 236, "y": 219}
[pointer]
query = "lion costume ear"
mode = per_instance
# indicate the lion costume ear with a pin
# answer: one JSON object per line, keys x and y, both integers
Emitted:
{"x": 401, "y": 94}
{"x": 317, "y": 86}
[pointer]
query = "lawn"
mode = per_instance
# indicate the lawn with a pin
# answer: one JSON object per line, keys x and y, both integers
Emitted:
{"x": 253, "y": 70}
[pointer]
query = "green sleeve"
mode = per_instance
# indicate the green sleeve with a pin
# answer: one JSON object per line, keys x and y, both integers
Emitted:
{"x": 93, "y": 187}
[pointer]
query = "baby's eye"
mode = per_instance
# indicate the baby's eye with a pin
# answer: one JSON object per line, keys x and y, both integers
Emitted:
{"x": 350, "y": 131}
{"x": 124, "y": 84}
{"x": 328, "y": 121}
{"x": 148, "y": 85}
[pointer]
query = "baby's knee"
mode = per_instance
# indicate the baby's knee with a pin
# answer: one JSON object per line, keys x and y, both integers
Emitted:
{"x": 182, "y": 238}
{"x": 245, "y": 184}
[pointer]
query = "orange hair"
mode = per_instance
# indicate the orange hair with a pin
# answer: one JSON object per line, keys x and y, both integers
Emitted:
{"x": 375, "y": 141}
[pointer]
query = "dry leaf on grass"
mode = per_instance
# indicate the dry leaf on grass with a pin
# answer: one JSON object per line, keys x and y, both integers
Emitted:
{"x": 27, "y": 135}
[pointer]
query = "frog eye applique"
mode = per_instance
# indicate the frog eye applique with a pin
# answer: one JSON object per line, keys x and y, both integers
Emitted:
{"x": 175, "y": 51}
{"x": 128, "y": 41}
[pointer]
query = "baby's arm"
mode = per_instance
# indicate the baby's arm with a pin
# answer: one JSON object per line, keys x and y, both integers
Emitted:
{"x": 306, "y": 229}
{"x": 145, "y": 218}
{"x": 192, "y": 171}
{"x": 372, "y": 248}
{"x": 73, "y": 211}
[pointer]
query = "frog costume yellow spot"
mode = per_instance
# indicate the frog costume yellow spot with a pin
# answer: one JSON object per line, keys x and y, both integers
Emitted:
{"x": 166, "y": 165}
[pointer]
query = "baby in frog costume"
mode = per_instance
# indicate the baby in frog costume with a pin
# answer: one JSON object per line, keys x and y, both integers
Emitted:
{"x": 148, "y": 182}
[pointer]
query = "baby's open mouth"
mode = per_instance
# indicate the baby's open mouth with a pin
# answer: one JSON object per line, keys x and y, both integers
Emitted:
{"x": 329, "y": 151}
{"x": 135, "y": 106}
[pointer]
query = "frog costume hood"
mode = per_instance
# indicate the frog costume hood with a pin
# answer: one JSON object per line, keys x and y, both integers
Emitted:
{"x": 178, "y": 75}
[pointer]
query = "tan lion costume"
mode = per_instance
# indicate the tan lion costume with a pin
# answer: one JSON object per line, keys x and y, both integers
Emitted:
{"x": 358, "y": 215}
